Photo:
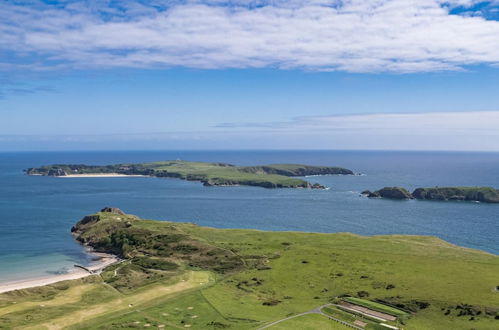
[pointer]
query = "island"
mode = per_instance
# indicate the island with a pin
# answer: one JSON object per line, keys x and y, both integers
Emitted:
{"x": 210, "y": 174}
{"x": 181, "y": 275}
{"x": 389, "y": 192}
{"x": 473, "y": 194}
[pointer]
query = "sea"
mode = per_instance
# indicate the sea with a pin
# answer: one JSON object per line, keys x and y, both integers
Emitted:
{"x": 36, "y": 213}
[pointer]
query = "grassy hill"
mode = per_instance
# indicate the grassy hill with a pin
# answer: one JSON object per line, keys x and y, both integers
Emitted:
{"x": 180, "y": 275}
{"x": 471, "y": 194}
{"x": 210, "y": 174}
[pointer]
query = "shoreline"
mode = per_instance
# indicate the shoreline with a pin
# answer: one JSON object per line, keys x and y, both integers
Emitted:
{"x": 99, "y": 175}
{"x": 74, "y": 274}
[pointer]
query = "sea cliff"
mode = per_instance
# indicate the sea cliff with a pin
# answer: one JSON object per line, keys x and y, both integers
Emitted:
{"x": 473, "y": 194}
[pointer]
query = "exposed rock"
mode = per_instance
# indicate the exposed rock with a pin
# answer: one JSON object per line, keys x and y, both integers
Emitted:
{"x": 317, "y": 186}
{"x": 57, "y": 172}
{"x": 366, "y": 193}
{"x": 392, "y": 193}
{"x": 375, "y": 194}
{"x": 113, "y": 210}
{"x": 85, "y": 221}
{"x": 474, "y": 194}
{"x": 478, "y": 194}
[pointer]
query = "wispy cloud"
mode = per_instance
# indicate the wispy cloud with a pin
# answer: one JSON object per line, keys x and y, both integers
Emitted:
{"x": 411, "y": 123}
{"x": 9, "y": 87}
{"x": 424, "y": 131}
{"x": 326, "y": 35}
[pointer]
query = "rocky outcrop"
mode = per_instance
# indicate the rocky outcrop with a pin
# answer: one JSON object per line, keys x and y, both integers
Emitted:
{"x": 57, "y": 172}
{"x": 317, "y": 186}
{"x": 113, "y": 210}
{"x": 391, "y": 193}
{"x": 476, "y": 194}
{"x": 297, "y": 170}
{"x": 87, "y": 220}
{"x": 472, "y": 194}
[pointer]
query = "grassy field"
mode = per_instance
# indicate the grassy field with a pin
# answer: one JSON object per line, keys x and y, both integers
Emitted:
{"x": 210, "y": 174}
{"x": 309, "y": 322}
{"x": 244, "y": 279}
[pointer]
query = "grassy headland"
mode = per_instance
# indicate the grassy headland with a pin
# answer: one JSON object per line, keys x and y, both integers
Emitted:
{"x": 180, "y": 275}
{"x": 210, "y": 174}
{"x": 474, "y": 194}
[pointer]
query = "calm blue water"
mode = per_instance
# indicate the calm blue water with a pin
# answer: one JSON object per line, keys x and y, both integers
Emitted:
{"x": 36, "y": 213}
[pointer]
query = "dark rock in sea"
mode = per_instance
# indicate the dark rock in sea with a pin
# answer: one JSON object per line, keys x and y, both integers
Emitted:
{"x": 317, "y": 186}
{"x": 113, "y": 210}
{"x": 366, "y": 193}
{"x": 392, "y": 193}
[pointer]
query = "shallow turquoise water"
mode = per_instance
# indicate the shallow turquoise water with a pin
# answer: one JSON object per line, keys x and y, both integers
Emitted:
{"x": 36, "y": 213}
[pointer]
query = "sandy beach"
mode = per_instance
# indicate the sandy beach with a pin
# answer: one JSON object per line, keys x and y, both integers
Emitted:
{"x": 98, "y": 175}
{"x": 75, "y": 273}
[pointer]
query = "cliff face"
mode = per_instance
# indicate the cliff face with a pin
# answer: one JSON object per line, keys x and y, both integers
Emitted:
{"x": 479, "y": 194}
{"x": 390, "y": 193}
{"x": 113, "y": 231}
{"x": 297, "y": 170}
{"x": 475, "y": 194}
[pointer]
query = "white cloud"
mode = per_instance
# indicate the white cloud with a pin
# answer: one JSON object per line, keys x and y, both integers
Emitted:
{"x": 349, "y": 35}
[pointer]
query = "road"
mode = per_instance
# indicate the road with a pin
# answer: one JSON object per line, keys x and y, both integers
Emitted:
{"x": 317, "y": 310}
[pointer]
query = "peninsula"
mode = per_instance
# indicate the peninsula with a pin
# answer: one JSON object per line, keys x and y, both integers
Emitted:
{"x": 472, "y": 194}
{"x": 180, "y": 275}
{"x": 210, "y": 174}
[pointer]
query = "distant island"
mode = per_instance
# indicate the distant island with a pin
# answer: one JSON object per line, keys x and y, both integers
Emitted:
{"x": 181, "y": 275}
{"x": 210, "y": 174}
{"x": 473, "y": 194}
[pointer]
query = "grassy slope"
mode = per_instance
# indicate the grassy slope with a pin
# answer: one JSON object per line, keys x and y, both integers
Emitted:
{"x": 307, "y": 270}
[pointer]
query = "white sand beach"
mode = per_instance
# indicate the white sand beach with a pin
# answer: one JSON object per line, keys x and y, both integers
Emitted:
{"x": 99, "y": 175}
{"x": 76, "y": 273}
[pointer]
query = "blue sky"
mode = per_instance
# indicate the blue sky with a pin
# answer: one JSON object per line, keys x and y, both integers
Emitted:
{"x": 325, "y": 74}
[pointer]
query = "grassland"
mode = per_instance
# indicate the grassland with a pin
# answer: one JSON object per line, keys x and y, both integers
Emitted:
{"x": 180, "y": 275}
{"x": 310, "y": 322}
{"x": 210, "y": 174}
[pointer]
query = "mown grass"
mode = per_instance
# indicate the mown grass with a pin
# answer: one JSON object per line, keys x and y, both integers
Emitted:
{"x": 281, "y": 274}
{"x": 309, "y": 322}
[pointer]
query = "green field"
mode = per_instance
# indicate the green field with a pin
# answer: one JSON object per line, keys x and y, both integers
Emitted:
{"x": 180, "y": 275}
{"x": 309, "y": 322}
{"x": 210, "y": 174}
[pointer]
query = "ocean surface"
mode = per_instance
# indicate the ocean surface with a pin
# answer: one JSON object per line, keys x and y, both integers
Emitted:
{"x": 36, "y": 213}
